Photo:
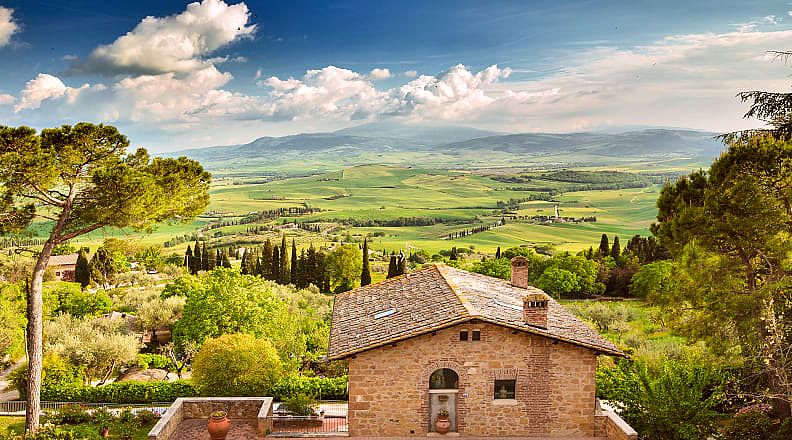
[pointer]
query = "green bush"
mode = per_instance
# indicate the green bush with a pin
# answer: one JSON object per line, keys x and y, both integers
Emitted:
{"x": 675, "y": 400}
{"x": 784, "y": 431}
{"x": 322, "y": 388}
{"x": 236, "y": 365}
{"x": 69, "y": 415}
{"x": 56, "y": 371}
{"x": 146, "y": 361}
{"x": 330, "y": 388}
{"x": 751, "y": 425}
{"x": 300, "y": 405}
{"x": 121, "y": 392}
{"x": 45, "y": 433}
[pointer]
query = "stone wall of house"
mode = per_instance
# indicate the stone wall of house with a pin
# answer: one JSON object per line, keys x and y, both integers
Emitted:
{"x": 388, "y": 386}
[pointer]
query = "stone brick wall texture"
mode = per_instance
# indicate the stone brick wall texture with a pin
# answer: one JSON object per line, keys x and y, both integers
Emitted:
{"x": 388, "y": 386}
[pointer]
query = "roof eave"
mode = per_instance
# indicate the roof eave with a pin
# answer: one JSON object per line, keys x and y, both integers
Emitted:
{"x": 596, "y": 348}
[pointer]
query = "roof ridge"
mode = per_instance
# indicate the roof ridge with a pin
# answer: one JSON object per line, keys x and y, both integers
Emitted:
{"x": 385, "y": 281}
{"x": 469, "y": 308}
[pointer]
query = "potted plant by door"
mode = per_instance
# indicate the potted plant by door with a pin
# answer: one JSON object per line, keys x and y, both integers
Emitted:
{"x": 218, "y": 425}
{"x": 442, "y": 424}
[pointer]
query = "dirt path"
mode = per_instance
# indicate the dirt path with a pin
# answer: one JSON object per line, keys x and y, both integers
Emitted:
{"x": 6, "y": 395}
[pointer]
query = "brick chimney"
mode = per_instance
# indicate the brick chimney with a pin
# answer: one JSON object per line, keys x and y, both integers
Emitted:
{"x": 535, "y": 309}
{"x": 519, "y": 272}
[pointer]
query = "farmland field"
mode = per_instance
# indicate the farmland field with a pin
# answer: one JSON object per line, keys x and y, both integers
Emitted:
{"x": 455, "y": 199}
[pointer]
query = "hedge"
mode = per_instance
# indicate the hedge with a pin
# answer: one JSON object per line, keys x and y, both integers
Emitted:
{"x": 327, "y": 388}
{"x": 121, "y": 392}
{"x": 331, "y": 388}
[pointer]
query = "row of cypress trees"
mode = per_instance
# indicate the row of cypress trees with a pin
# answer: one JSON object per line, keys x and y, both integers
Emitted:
{"x": 199, "y": 258}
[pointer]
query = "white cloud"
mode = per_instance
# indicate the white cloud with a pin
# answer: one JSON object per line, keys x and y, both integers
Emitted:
{"x": 343, "y": 94}
{"x": 6, "y": 99}
{"x": 70, "y": 57}
{"x": 410, "y": 74}
{"x": 43, "y": 87}
{"x": 753, "y": 25}
{"x": 680, "y": 80}
{"x": 8, "y": 26}
{"x": 378, "y": 74}
{"x": 177, "y": 43}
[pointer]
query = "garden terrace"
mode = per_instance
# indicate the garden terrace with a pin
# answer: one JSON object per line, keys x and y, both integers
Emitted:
{"x": 186, "y": 419}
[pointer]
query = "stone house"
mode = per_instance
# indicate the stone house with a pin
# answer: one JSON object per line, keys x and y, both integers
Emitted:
{"x": 503, "y": 358}
{"x": 63, "y": 266}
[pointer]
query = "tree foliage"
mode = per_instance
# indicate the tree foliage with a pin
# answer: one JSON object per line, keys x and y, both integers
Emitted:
{"x": 224, "y": 301}
{"x": 344, "y": 265}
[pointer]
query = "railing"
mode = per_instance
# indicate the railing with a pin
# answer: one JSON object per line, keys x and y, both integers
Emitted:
{"x": 330, "y": 419}
{"x": 15, "y": 407}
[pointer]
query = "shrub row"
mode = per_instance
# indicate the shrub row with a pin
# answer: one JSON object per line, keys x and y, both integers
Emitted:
{"x": 121, "y": 392}
{"x": 320, "y": 388}
{"x": 146, "y": 392}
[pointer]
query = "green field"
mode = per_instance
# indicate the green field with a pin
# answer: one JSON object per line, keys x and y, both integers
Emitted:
{"x": 461, "y": 198}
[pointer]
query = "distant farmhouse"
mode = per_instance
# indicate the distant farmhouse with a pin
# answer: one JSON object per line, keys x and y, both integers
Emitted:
{"x": 63, "y": 266}
{"x": 498, "y": 358}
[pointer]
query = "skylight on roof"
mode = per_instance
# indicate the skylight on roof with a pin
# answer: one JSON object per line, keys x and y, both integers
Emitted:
{"x": 507, "y": 305}
{"x": 384, "y": 313}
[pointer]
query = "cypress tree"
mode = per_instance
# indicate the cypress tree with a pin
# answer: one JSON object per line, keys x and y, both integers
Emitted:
{"x": 401, "y": 266}
{"x": 284, "y": 274}
{"x": 226, "y": 261}
{"x": 218, "y": 259}
{"x": 616, "y": 249}
{"x": 82, "y": 271}
{"x": 197, "y": 262}
{"x": 453, "y": 256}
{"x": 244, "y": 266}
{"x": 258, "y": 266}
{"x": 266, "y": 260}
{"x": 498, "y": 253}
{"x": 188, "y": 256}
{"x": 204, "y": 257}
{"x": 604, "y": 247}
{"x": 300, "y": 280}
{"x": 393, "y": 266}
{"x": 293, "y": 275}
{"x": 365, "y": 274}
{"x": 276, "y": 264}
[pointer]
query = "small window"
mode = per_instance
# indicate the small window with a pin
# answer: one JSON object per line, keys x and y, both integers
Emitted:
{"x": 476, "y": 335}
{"x": 463, "y": 335}
{"x": 504, "y": 389}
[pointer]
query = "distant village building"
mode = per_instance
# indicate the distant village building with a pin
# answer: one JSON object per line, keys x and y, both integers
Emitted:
{"x": 499, "y": 358}
{"x": 63, "y": 266}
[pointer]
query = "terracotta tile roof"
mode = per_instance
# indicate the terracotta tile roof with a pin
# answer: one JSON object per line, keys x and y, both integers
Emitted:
{"x": 62, "y": 260}
{"x": 437, "y": 296}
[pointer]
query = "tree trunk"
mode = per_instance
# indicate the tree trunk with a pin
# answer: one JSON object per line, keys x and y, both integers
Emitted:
{"x": 35, "y": 338}
{"x": 776, "y": 365}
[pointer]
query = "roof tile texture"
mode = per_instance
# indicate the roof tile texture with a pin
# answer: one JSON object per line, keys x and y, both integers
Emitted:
{"x": 437, "y": 296}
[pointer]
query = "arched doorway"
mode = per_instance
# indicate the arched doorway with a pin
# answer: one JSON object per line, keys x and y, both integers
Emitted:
{"x": 443, "y": 389}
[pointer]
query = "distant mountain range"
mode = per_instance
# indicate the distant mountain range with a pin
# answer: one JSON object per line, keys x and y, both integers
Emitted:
{"x": 419, "y": 145}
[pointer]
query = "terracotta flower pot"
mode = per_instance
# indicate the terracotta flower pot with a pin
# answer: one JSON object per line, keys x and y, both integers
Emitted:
{"x": 105, "y": 432}
{"x": 218, "y": 427}
{"x": 442, "y": 424}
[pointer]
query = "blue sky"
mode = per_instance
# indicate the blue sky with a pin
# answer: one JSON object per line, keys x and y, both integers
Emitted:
{"x": 217, "y": 73}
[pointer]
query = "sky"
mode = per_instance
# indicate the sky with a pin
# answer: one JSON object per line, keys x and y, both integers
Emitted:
{"x": 174, "y": 75}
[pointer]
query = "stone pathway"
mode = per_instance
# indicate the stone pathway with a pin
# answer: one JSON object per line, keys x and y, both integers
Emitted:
{"x": 195, "y": 429}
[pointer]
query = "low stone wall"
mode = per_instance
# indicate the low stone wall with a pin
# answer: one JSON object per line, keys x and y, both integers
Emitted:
{"x": 239, "y": 408}
{"x": 610, "y": 425}
{"x": 167, "y": 424}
